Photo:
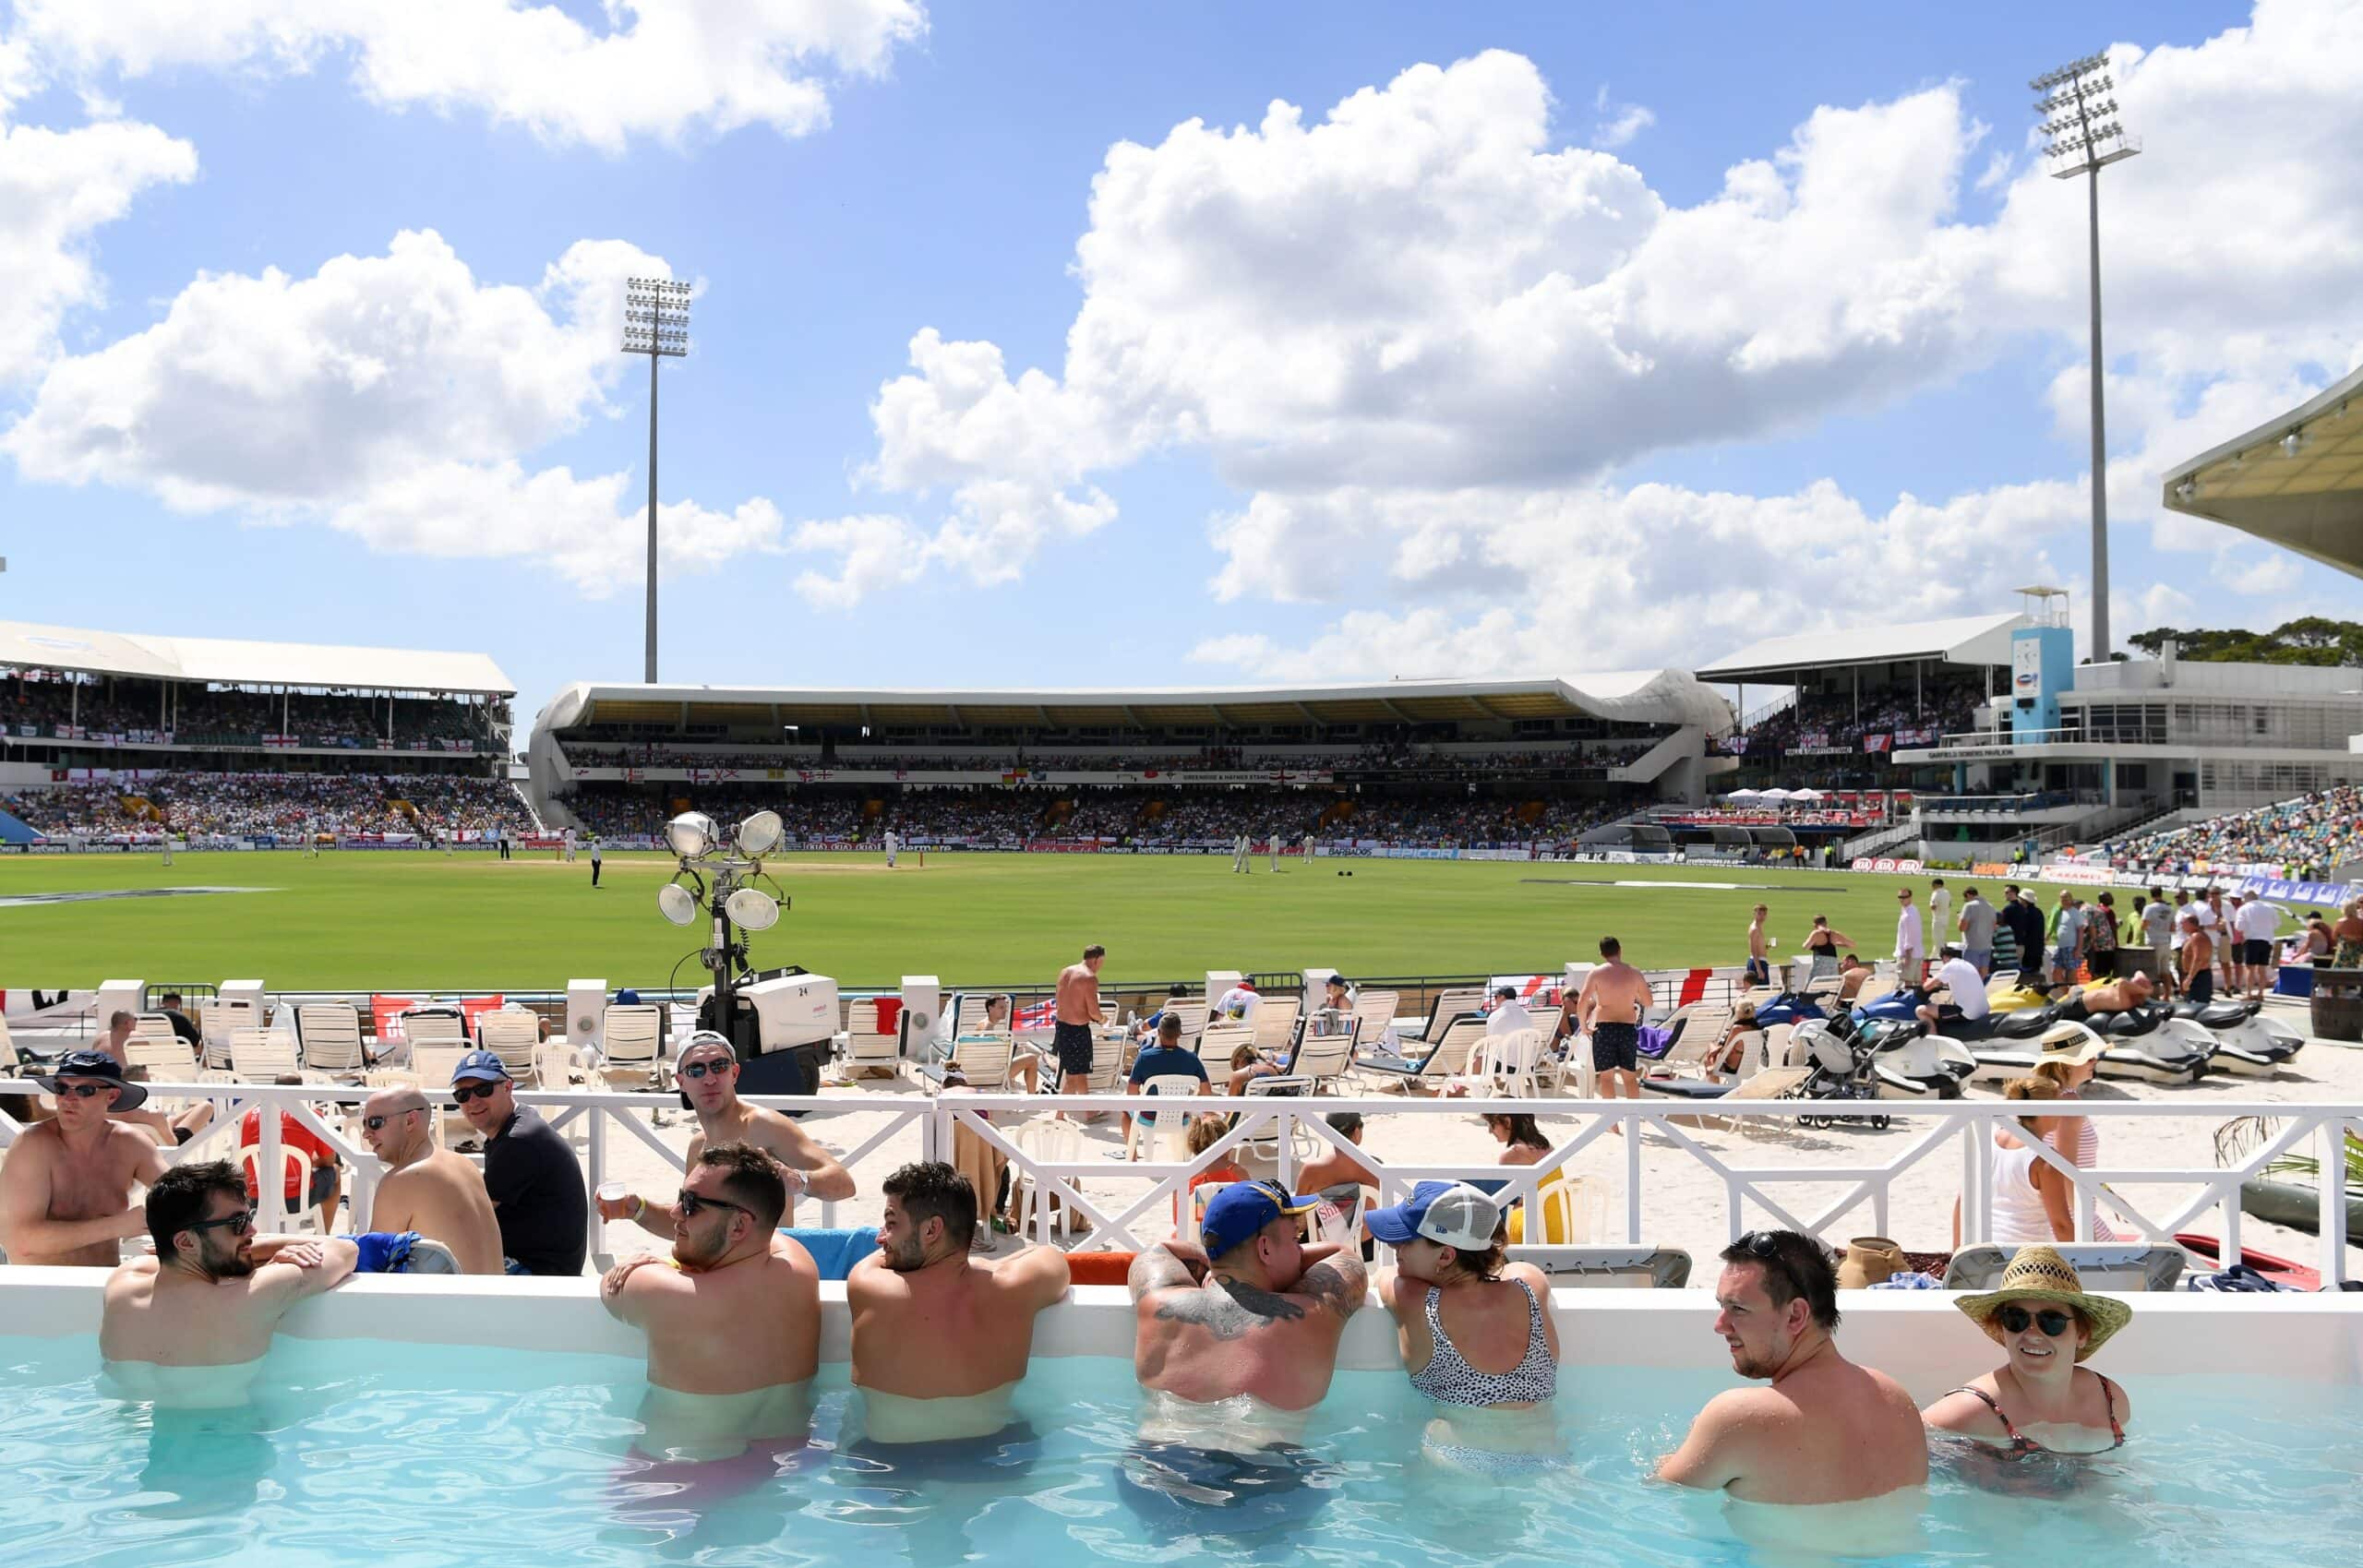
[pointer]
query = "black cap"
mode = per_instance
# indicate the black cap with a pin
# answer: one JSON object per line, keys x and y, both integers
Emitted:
{"x": 99, "y": 1065}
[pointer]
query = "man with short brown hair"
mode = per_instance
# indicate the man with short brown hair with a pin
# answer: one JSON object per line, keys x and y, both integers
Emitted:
{"x": 1076, "y": 1018}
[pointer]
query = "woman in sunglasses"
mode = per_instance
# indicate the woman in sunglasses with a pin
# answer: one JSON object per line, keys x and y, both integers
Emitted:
{"x": 2042, "y": 1399}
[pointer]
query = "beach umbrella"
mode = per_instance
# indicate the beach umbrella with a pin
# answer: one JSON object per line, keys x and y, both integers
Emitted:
{"x": 1774, "y": 797}
{"x": 1745, "y": 794}
{"x": 1808, "y": 795}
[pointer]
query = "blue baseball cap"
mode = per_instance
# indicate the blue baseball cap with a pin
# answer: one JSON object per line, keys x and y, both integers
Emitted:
{"x": 1450, "y": 1213}
{"x": 1241, "y": 1210}
{"x": 481, "y": 1065}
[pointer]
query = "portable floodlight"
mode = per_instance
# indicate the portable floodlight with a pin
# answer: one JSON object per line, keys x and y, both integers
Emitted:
{"x": 692, "y": 834}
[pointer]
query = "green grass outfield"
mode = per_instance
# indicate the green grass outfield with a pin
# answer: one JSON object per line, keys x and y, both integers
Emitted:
{"x": 393, "y": 920}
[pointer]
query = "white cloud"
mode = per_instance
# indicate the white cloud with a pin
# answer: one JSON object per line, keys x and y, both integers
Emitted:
{"x": 387, "y": 396}
{"x": 658, "y": 67}
{"x": 55, "y": 188}
{"x": 1618, "y": 123}
{"x": 1416, "y": 333}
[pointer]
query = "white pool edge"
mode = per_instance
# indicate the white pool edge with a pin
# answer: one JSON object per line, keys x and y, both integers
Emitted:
{"x": 1916, "y": 1336}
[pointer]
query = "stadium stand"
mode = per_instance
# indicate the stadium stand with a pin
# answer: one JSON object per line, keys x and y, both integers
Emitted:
{"x": 2308, "y": 837}
{"x": 109, "y": 737}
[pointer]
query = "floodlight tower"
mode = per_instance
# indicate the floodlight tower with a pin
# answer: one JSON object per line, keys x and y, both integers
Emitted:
{"x": 2081, "y": 120}
{"x": 656, "y": 323}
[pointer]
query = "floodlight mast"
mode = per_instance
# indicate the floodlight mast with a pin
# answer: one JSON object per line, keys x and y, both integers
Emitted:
{"x": 2081, "y": 120}
{"x": 656, "y": 323}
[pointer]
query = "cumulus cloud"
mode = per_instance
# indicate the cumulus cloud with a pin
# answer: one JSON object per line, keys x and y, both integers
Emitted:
{"x": 1618, "y": 123}
{"x": 387, "y": 396}
{"x": 658, "y": 67}
{"x": 57, "y": 187}
{"x": 1421, "y": 331}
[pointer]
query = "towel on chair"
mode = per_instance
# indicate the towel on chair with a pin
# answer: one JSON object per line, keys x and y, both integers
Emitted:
{"x": 384, "y": 1251}
{"x": 835, "y": 1251}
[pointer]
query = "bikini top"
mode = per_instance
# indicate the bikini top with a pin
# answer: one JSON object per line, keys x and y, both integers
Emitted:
{"x": 1450, "y": 1379}
{"x": 2021, "y": 1445}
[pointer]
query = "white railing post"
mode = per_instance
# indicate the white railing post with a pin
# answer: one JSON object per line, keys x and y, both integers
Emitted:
{"x": 270, "y": 1177}
{"x": 594, "y": 1171}
{"x": 2331, "y": 1232}
{"x": 1631, "y": 1121}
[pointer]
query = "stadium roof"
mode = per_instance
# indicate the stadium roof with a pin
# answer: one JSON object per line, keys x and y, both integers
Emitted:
{"x": 2309, "y": 499}
{"x": 248, "y": 663}
{"x": 1666, "y": 697}
{"x": 1776, "y": 661}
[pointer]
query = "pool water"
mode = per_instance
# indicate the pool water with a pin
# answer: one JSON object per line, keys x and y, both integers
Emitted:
{"x": 402, "y": 1453}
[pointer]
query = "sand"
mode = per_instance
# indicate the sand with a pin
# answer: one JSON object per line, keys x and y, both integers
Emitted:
{"x": 1684, "y": 1203}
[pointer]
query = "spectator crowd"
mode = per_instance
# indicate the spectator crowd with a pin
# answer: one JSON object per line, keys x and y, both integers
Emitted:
{"x": 437, "y": 805}
{"x": 2308, "y": 837}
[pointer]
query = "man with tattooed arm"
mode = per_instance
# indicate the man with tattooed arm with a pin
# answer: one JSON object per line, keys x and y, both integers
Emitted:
{"x": 1235, "y": 1342}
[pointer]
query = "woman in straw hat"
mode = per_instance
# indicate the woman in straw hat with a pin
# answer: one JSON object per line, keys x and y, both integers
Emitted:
{"x": 2042, "y": 1399}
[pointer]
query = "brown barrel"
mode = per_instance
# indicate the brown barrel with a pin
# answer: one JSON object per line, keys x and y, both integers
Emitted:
{"x": 2338, "y": 1004}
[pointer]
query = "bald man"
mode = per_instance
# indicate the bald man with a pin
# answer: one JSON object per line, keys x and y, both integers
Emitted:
{"x": 428, "y": 1188}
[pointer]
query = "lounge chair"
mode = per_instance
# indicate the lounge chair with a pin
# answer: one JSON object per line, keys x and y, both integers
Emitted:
{"x": 632, "y": 1055}
{"x": 330, "y": 1034}
{"x": 2102, "y": 1265}
{"x": 1660, "y": 1268}
{"x": 1446, "y": 1059}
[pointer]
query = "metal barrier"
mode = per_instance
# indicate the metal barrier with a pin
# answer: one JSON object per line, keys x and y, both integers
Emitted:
{"x": 1970, "y": 1124}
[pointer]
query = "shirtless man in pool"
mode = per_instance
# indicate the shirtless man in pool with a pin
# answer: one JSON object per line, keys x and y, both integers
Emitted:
{"x": 66, "y": 1186}
{"x": 214, "y": 1292}
{"x": 942, "y": 1337}
{"x": 1823, "y": 1429}
{"x": 1254, "y": 1311}
{"x": 736, "y": 1309}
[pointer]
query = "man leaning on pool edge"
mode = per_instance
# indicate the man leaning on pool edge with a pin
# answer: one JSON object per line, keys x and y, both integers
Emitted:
{"x": 1821, "y": 1430}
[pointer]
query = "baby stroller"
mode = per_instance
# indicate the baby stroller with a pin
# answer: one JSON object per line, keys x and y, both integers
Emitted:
{"x": 1839, "y": 1057}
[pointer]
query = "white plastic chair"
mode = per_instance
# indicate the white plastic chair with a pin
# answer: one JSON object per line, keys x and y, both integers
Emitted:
{"x": 302, "y": 1216}
{"x": 634, "y": 1037}
{"x": 513, "y": 1035}
{"x": 258, "y": 1056}
{"x": 1176, "y": 1094}
{"x": 1505, "y": 1064}
{"x": 330, "y": 1036}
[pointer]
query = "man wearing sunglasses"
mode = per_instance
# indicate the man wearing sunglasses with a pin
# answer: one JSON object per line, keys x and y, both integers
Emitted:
{"x": 706, "y": 1072}
{"x": 530, "y": 1172}
{"x": 66, "y": 1186}
{"x": 1822, "y": 1430}
{"x": 426, "y": 1187}
{"x": 214, "y": 1291}
{"x": 736, "y": 1309}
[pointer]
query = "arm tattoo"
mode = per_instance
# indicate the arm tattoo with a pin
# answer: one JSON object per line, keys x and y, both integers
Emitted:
{"x": 1339, "y": 1284}
{"x": 1228, "y": 1309}
{"x": 1156, "y": 1269}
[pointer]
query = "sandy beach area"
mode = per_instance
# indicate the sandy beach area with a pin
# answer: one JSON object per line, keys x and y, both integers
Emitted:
{"x": 1684, "y": 1202}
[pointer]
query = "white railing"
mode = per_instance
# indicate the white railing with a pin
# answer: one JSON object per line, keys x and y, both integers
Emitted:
{"x": 1287, "y": 1123}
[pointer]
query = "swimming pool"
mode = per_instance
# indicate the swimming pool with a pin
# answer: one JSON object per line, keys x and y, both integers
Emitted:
{"x": 411, "y": 1450}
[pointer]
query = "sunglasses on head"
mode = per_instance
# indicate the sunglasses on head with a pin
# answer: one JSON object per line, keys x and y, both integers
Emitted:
{"x": 463, "y": 1092}
{"x": 690, "y": 1204}
{"x": 239, "y": 1224}
{"x": 82, "y": 1091}
{"x": 2053, "y": 1321}
{"x": 699, "y": 1069}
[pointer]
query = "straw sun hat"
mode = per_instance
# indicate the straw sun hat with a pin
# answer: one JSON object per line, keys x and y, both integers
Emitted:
{"x": 2040, "y": 1274}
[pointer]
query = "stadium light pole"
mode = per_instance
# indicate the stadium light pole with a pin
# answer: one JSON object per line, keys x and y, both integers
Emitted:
{"x": 2081, "y": 120}
{"x": 656, "y": 323}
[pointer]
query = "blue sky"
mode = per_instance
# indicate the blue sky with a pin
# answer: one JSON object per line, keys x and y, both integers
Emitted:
{"x": 949, "y": 190}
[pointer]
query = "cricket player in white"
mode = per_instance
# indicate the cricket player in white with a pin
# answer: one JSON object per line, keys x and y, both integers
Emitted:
{"x": 892, "y": 844}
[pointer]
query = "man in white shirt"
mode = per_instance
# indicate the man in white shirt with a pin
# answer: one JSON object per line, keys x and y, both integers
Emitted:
{"x": 1910, "y": 947}
{"x": 2258, "y": 920}
{"x": 1238, "y": 1003}
{"x": 1940, "y": 909}
{"x": 2212, "y": 920}
{"x": 1509, "y": 1014}
{"x": 1964, "y": 1002}
{"x": 893, "y": 843}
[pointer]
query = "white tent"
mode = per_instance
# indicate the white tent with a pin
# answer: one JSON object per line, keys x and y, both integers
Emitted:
{"x": 1775, "y": 797}
{"x": 1745, "y": 796}
{"x": 1806, "y": 795}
